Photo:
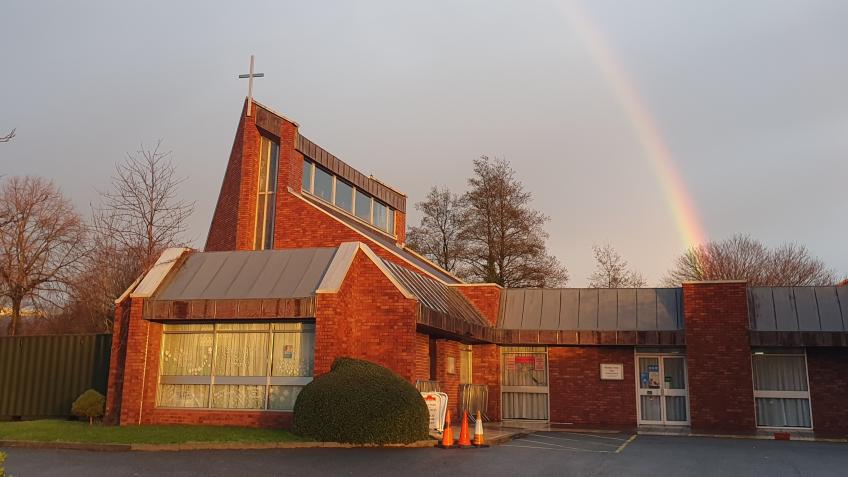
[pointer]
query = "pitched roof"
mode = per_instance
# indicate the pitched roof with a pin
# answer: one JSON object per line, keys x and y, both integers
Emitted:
{"x": 286, "y": 273}
{"x": 435, "y": 295}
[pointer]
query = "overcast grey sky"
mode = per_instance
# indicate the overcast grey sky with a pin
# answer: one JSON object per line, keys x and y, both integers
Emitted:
{"x": 750, "y": 98}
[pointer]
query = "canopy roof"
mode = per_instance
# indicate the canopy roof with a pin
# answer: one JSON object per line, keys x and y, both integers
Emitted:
{"x": 286, "y": 273}
{"x": 592, "y": 309}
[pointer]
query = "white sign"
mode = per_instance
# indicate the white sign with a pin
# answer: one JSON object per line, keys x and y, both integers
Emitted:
{"x": 612, "y": 371}
{"x": 437, "y": 405}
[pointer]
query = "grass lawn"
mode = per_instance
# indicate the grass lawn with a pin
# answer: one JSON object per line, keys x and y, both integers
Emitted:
{"x": 73, "y": 431}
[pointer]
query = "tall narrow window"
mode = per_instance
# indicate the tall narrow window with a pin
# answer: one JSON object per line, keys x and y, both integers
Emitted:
{"x": 344, "y": 195}
{"x": 380, "y": 215}
{"x": 363, "y": 206}
{"x": 269, "y": 153}
{"x": 465, "y": 364}
{"x": 781, "y": 391}
{"x": 308, "y": 168}
{"x": 323, "y": 185}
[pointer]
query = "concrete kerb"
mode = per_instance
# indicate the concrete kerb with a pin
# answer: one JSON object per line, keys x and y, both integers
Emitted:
{"x": 761, "y": 437}
{"x": 494, "y": 434}
{"x": 188, "y": 446}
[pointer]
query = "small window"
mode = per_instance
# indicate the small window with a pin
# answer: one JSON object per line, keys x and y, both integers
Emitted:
{"x": 363, "y": 206}
{"x": 308, "y": 168}
{"x": 465, "y": 364}
{"x": 380, "y": 215}
{"x": 344, "y": 195}
{"x": 323, "y": 184}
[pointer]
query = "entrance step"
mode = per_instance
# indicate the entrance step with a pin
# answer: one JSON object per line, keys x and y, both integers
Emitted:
{"x": 664, "y": 430}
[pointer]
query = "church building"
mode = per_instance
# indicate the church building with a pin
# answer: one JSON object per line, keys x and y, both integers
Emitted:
{"x": 306, "y": 262}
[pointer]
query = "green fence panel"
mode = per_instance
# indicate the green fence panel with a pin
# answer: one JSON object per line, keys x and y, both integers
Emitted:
{"x": 40, "y": 376}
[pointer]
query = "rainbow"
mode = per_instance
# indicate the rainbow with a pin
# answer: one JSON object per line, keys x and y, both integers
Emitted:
{"x": 645, "y": 127}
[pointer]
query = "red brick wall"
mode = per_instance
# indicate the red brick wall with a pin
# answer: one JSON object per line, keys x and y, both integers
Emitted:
{"x": 367, "y": 319}
{"x": 422, "y": 357}
{"x": 400, "y": 227}
{"x": 579, "y": 396}
{"x": 828, "y": 371}
{"x": 229, "y": 221}
{"x": 141, "y": 366}
{"x": 485, "y": 369}
{"x": 297, "y": 224}
{"x": 301, "y": 225}
{"x": 234, "y": 219}
{"x": 138, "y": 397}
{"x": 449, "y": 382}
{"x": 219, "y": 417}
{"x": 117, "y": 359}
{"x": 718, "y": 353}
{"x": 486, "y": 298}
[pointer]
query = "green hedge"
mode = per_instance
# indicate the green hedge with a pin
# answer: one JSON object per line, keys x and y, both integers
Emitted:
{"x": 90, "y": 404}
{"x": 362, "y": 403}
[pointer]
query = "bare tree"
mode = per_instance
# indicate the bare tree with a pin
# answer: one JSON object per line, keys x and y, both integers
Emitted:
{"x": 143, "y": 214}
{"x": 439, "y": 236}
{"x": 505, "y": 236}
{"x": 743, "y": 258}
{"x": 42, "y": 244}
{"x": 106, "y": 274}
{"x": 612, "y": 271}
{"x": 8, "y": 137}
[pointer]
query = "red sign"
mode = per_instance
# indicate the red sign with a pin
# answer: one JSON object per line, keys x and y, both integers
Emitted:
{"x": 525, "y": 360}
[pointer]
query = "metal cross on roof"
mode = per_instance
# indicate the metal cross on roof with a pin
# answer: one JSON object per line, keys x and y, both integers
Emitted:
{"x": 250, "y": 77}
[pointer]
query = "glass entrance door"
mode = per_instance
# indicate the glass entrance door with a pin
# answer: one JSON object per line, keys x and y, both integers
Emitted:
{"x": 662, "y": 397}
{"x": 524, "y": 383}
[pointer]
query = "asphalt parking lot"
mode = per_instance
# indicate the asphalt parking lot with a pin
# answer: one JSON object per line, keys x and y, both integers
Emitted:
{"x": 541, "y": 453}
{"x": 600, "y": 443}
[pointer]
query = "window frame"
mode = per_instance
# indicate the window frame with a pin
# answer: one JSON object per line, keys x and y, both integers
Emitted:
{"x": 466, "y": 350}
{"x": 266, "y": 200}
{"x": 352, "y": 198}
{"x": 389, "y": 218}
{"x": 772, "y": 394}
{"x": 306, "y": 327}
{"x": 311, "y": 175}
{"x": 332, "y": 184}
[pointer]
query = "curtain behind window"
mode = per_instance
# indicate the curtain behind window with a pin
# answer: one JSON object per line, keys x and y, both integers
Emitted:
{"x": 774, "y": 374}
{"x": 241, "y": 354}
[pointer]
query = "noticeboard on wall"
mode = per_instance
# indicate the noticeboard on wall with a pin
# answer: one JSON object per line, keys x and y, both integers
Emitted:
{"x": 612, "y": 371}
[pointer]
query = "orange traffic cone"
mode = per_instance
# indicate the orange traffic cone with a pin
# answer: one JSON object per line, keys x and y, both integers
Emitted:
{"x": 464, "y": 440}
{"x": 478, "y": 432}
{"x": 447, "y": 433}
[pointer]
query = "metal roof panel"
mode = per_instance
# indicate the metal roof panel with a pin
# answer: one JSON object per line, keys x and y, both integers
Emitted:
{"x": 829, "y": 312}
{"x": 287, "y": 273}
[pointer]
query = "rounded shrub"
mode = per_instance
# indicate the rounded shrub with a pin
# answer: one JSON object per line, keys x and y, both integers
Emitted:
{"x": 90, "y": 404}
{"x": 360, "y": 402}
